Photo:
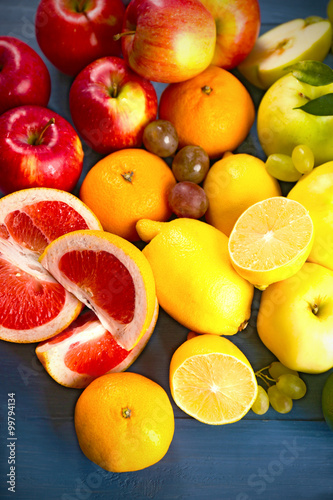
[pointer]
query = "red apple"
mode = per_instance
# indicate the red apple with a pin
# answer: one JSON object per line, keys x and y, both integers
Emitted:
{"x": 111, "y": 105}
{"x": 38, "y": 148}
{"x": 168, "y": 40}
{"x": 73, "y": 33}
{"x": 237, "y": 26}
{"x": 24, "y": 77}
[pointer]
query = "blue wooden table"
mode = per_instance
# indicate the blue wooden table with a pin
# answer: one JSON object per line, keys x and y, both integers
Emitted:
{"x": 271, "y": 457}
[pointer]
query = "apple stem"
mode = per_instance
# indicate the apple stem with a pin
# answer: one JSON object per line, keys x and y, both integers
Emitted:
{"x": 128, "y": 176}
{"x": 81, "y": 5}
{"x": 114, "y": 90}
{"x": 206, "y": 89}
{"x": 304, "y": 96}
{"x": 81, "y": 9}
{"x": 120, "y": 35}
{"x": 39, "y": 139}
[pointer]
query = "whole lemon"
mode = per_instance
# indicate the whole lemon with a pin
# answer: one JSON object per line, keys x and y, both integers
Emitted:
{"x": 315, "y": 192}
{"x": 233, "y": 184}
{"x": 295, "y": 319}
{"x": 195, "y": 281}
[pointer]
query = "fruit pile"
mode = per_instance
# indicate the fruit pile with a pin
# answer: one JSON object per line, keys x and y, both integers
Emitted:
{"x": 213, "y": 222}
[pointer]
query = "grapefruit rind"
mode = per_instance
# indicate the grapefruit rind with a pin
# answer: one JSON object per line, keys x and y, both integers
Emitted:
{"x": 19, "y": 257}
{"x": 52, "y": 355}
{"x": 26, "y": 197}
{"x": 127, "y": 335}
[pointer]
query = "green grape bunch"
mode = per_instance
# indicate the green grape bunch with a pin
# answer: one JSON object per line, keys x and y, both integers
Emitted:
{"x": 283, "y": 387}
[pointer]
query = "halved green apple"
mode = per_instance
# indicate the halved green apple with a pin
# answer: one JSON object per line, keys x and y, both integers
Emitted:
{"x": 288, "y": 43}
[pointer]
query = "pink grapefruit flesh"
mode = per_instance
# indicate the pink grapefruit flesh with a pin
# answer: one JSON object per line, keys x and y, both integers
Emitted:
{"x": 33, "y": 305}
{"x": 86, "y": 350}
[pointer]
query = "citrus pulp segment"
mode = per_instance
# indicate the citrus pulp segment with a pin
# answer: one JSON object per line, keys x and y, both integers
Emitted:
{"x": 86, "y": 350}
{"x": 110, "y": 276}
{"x": 271, "y": 240}
{"x": 212, "y": 380}
{"x": 33, "y": 306}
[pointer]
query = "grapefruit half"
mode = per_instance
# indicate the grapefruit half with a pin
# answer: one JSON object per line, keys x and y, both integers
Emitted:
{"x": 109, "y": 275}
{"x": 33, "y": 306}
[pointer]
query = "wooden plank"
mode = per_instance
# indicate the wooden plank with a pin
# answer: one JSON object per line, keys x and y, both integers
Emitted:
{"x": 243, "y": 461}
{"x": 275, "y": 457}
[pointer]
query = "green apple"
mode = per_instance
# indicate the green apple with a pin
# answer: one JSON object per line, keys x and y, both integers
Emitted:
{"x": 296, "y": 40}
{"x": 281, "y": 126}
{"x": 295, "y": 320}
{"x": 315, "y": 192}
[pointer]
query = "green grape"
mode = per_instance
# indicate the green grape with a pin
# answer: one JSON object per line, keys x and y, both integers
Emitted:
{"x": 291, "y": 385}
{"x": 261, "y": 404}
{"x": 303, "y": 158}
{"x": 280, "y": 402}
{"x": 276, "y": 369}
{"x": 282, "y": 168}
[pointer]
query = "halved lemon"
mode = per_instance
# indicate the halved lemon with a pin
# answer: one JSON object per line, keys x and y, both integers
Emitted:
{"x": 271, "y": 240}
{"x": 212, "y": 380}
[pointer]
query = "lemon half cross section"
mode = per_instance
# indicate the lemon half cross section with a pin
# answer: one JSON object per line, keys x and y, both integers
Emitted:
{"x": 212, "y": 380}
{"x": 271, "y": 240}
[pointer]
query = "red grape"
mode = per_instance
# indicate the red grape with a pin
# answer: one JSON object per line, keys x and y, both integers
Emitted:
{"x": 187, "y": 199}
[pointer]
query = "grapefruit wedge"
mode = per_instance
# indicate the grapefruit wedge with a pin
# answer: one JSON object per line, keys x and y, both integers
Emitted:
{"x": 33, "y": 306}
{"x": 109, "y": 275}
{"x": 85, "y": 351}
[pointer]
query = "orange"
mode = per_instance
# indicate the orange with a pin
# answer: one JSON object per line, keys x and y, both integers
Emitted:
{"x": 271, "y": 240}
{"x": 109, "y": 275}
{"x": 124, "y": 422}
{"x": 212, "y": 110}
{"x": 126, "y": 186}
{"x": 33, "y": 306}
{"x": 212, "y": 380}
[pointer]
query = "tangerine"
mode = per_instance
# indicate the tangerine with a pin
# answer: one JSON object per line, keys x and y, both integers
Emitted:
{"x": 126, "y": 186}
{"x": 124, "y": 422}
{"x": 212, "y": 110}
